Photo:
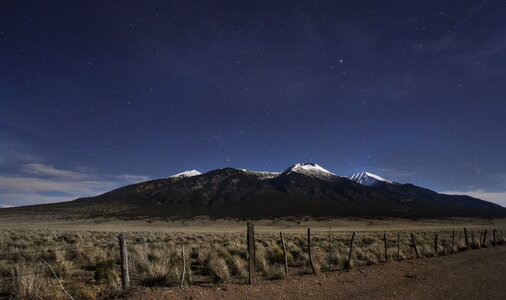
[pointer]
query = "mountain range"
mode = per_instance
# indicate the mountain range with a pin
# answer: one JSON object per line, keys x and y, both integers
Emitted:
{"x": 304, "y": 189}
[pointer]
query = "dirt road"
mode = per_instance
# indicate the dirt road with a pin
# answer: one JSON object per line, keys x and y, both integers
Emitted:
{"x": 474, "y": 274}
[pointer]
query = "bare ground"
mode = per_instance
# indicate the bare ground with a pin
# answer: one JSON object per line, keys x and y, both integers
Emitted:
{"x": 469, "y": 275}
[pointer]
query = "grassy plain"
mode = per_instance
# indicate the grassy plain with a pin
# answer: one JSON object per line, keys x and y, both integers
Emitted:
{"x": 85, "y": 255}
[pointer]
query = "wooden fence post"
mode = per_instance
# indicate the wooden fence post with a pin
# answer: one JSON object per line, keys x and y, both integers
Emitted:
{"x": 465, "y": 238}
{"x": 500, "y": 237}
{"x": 398, "y": 246}
{"x": 330, "y": 251}
{"x": 125, "y": 277}
{"x": 251, "y": 251}
{"x": 309, "y": 250}
{"x": 435, "y": 244}
{"x": 385, "y": 242}
{"x": 284, "y": 252}
{"x": 472, "y": 239}
{"x": 183, "y": 273}
{"x": 493, "y": 240}
{"x": 484, "y": 242}
{"x": 348, "y": 263}
{"x": 453, "y": 241}
{"x": 414, "y": 246}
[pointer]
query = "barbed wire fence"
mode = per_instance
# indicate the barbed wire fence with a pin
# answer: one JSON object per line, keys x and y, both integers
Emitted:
{"x": 339, "y": 256}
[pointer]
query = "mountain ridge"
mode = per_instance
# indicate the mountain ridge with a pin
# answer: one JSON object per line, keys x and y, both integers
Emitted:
{"x": 301, "y": 190}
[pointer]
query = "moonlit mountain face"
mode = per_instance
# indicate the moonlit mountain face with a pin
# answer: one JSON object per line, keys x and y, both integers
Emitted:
{"x": 368, "y": 179}
{"x": 262, "y": 174}
{"x": 310, "y": 169}
{"x": 304, "y": 189}
{"x": 186, "y": 174}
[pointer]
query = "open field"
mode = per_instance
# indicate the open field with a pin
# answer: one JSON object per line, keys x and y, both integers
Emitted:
{"x": 203, "y": 224}
{"x": 85, "y": 253}
{"x": 467, "y": 275}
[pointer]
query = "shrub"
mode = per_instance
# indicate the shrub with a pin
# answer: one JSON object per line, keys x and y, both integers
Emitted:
{"x": 218, "y": 269}
{"x": 34, "y": 286}
{"x": 238, "y": 266}
{"x": 261, "y": 262}
{"x": 276, "y": 272}
{"x": 104, "y": 271}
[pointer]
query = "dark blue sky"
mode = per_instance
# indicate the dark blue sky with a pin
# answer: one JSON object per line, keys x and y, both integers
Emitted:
{"x": 97, "y": 94}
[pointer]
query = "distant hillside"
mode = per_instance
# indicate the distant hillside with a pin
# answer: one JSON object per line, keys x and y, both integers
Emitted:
{"x": 301, "y": 190}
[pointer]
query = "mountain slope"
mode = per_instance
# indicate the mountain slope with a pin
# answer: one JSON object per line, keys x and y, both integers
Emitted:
{"x": 368, "y": 179}
{"x": 301, "y": 190}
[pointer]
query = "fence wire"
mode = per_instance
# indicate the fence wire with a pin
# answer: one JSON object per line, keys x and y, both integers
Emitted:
{"x": 53, "y": 250}
{"x": 319, "y": 238}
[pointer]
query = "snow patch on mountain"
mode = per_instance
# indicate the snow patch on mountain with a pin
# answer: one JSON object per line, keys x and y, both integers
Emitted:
{"x": 369, "y": 179}
{"x": 310, "y": 169}
{"x": 186, "y": 174}
{"x": 262, "y": 174}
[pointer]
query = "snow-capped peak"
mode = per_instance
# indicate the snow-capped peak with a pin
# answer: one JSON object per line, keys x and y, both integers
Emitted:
{"x": 367, "y": 178}
{"x": 186, "y": 174}
{"x": 310, "y": 169}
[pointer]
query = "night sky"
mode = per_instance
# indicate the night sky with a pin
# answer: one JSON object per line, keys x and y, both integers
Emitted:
{"x": 98, "y": 94}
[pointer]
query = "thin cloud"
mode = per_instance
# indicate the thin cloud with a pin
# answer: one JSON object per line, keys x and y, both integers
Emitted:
{"x": 133, "y": 178}
{"x": 50, "y": 171}
{"x": 9, "y": 157}
{"x": 495, "y": 197}
{"x": 30, "y": 199}
{"x": 400, "y": 175}
{"x": 36, "y": 183}
{"x": 495, "y": 46}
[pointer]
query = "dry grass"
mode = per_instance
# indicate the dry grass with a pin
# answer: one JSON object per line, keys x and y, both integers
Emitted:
{"x": 34, "y": 286}
{"x": 88, "y": 261}
{"x": 218, "y": 268}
